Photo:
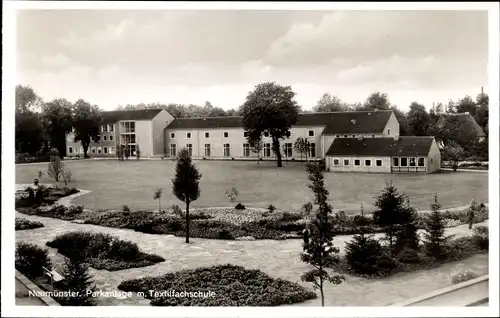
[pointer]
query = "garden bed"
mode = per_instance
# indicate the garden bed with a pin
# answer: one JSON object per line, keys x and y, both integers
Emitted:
{"x": 50, "y": 194}
{"x": 103, "y": 251}
{"x": 225, "y": 285}
{"x": 25, "y": 224}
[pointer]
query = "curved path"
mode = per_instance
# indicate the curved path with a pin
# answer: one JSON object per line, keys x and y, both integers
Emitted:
{"x": 275, "y": 258}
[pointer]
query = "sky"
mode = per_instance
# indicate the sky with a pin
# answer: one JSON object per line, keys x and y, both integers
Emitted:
{"x": 112, "y": 58}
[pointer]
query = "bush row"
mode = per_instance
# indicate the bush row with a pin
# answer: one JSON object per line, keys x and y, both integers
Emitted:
{"x": 49, "y": 196}
{"x": 231, "y": 286}
{"x": 102, "y": 251}
{"x": 25, "y": 224}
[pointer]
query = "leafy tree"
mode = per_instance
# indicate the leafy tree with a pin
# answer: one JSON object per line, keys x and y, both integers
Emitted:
{"x": 439, "y": 108}
{"x": 455, "y": 153}
{"x": 482, "y": 111}
{"x": 451, "y": 108}
{"x": 27, "y": 99}
{"x": 307, "y": 208}
{"x": 78, "y": 280}
{"x": 302, "y": 146}
{"x": 320, "y": 252}
{"x": 232, "y": 194}
{"x": 186, "y": 183}
{"x": 56, "y": 167}
{"x": 391, "y": 212}
{"x": 30, "y": 132}
{"x": 377, "y": 100}
{"x": 256, "y": 147}
{"x": 434, "y": 238}
{"x": 157, "y": 196}
{"x": 87, "y": 120}
{"x": 58, "y": 117}
{"x": 270, "y": 108}
{"x": 465, "y": 105}
{"x": 419, "y": 120}
{"x": 329, "y": 103}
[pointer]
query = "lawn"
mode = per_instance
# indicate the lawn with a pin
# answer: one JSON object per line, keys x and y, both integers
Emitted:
{"x": 114, "y": 184}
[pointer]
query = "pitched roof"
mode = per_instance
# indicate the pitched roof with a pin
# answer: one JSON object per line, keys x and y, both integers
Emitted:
{"x": 386, "y": 146}
{"x": 463, "y": 119}
{"x": 132, "y": 114}
{"x": 336, "y": 122}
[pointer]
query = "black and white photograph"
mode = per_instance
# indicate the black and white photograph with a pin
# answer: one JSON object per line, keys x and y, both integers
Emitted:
{"x": 286, "y": 160}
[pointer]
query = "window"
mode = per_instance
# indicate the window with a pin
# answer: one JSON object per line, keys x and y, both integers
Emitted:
{"x": 70, "y": 149}
{"x": 267, "y": 150}
{"x": 111, "y": 149}
{"x": 188, "y": 135}
{"x": 395, "y": 162}
{"x": 346, "y": 162}
{"x": 432, "y": 160}
{"x": 127, "y": 127}
{"x": 345, "y": 136}
{"x": 312, "y": 150}
{"x": 111, "y": 138}
{"x": 246, "y": 150}
{"x": 227, "y": 151}
{"x": 288, "y": 150}
{"x": 336, "y": 162}
{"x": 105, "y": 138}
{"x": 111, "y": 127}
{"x": 373, "y": 136}
{"x": 102, "y": 128}
{"x": 99, "y": 150}
{"x": 357, "y": 162}
{"x": 421, "y": 162}
{"x": 378, "y": 162}
{"x": 93, "y": 150}
{"x": 207, "y": 150}
{"x": 353, "y": 136}
{"x": 311, "y": 133}
{"x": 98, "y": 138}
{"x": 189, "y": 149}
{"x": 245, "y": 134}
{"x": 338, "y": 136}
{"x": 207, "y": 135}
{"x": 105, "y": 150}
{"x": 404, "y": 162}
{"x": 389, "y": 131}
{"x": 226, "y": 134}
{"x": 266, "y": 134}
{"x": 413, "y": 162}
{"x": 128, "y": 139}
{"x": 172, "y": 135}
{"x": 173, "y": 150}
{"x": 368, "y": 162}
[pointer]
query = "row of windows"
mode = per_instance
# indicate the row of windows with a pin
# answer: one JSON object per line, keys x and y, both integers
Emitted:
{"x": 226, "y": 134}
{"x": 396, "y": 162}
{"x": 288, "y": 148}
{"x": 108, "y": 128}
{"x": 357, "y": 162}
{"x": 93, "y": 150}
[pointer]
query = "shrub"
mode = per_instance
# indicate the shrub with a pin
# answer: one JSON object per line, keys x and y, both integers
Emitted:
{"x": 481, "y": 237}
{"x": 102, "y": 251}
{"x": 77, "y": 280}
{"x": 25, "y": 224}
{"x": 177, "y": 210}
{"x": 232, "y": 194}
{"x": 239, "y": 206}
{"x": 462, "y": 275}
{"x": 232, "y": 286}
{"x": 408, "y": 255}
{"x": 66, "y": 175}
{"x": 365, "y": 255}
{"x": 271, "y": 208}
{"x": 225, "y": 235}
{"x": 125, "y": 208}
{"x": 30, "y": 259}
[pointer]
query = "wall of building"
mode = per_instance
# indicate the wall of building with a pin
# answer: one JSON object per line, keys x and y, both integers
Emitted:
{"x": 143, "y": 137}
{"x": 96, "y": 149}
{"x": 385, "y": 168}
{"x": 434, "y": 159}
{"x": 159, "y": 122}
{"x": 392, "y": 127}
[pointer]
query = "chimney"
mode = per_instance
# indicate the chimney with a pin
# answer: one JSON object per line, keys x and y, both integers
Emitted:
{"x": 353, "y": 121}
{"x": 396, "y": 137}
{"x": 375, "y": 109}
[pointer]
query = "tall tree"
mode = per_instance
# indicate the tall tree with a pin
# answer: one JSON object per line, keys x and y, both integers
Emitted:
{"x": 270, "y": 108}
{"x": 27, "y": 99}
{"x": 87, "y": 120}
{"x": 482, "y": 111}
{"x": 467, "y": 105}
{"x": 451, "y": 108}
{"x": 329, "y": 103}
{"x": 58, "y": 116}
{"x": 377, "y": 100}
{"x": 320, "y": 252}
{"x": 391, "y": 212}
{"x": 418, "y": 119}
{"x": 186, "y": 183}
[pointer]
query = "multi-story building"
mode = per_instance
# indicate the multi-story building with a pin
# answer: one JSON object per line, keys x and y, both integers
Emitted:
{"x": 159, "y": 134}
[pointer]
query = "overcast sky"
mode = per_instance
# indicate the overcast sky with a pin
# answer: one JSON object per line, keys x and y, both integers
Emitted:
{"x": 126, "y": 57}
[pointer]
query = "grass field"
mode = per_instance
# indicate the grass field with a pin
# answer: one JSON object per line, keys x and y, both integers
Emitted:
{"x": 114, "y": 184}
